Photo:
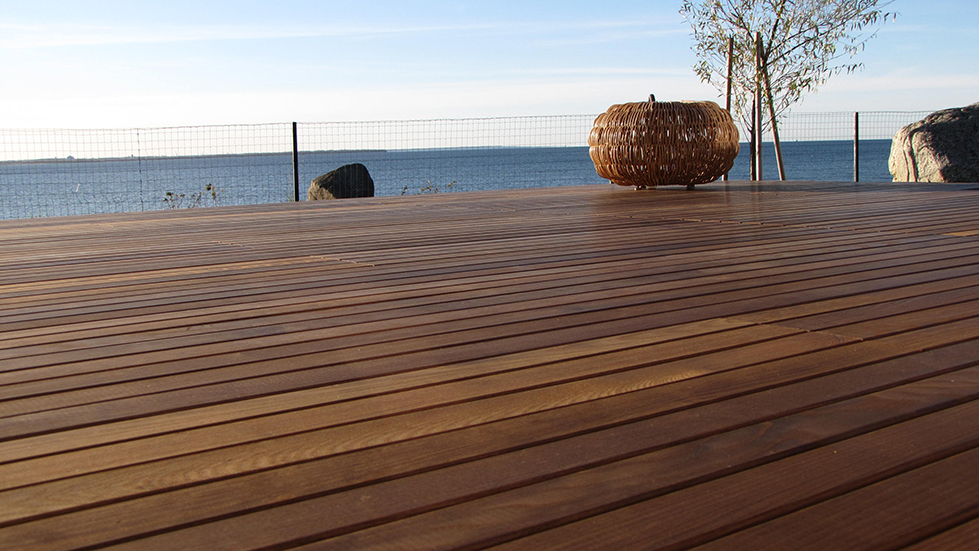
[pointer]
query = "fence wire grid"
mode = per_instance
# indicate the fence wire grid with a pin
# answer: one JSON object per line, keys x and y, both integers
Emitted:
{"x": 58, "y": 172}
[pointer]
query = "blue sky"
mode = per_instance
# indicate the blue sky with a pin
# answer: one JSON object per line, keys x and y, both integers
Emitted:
{"x": 112, "y": 64}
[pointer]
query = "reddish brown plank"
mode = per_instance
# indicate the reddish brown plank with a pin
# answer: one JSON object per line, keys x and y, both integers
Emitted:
{"x": 464, "y": 504}
{"x": 926, "y": 500}
{"x": 515, "y": 368}
{"x": 962, "y": 537}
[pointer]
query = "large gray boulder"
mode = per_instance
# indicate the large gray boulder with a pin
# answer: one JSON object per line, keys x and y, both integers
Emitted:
{"x": 944, "y": 147}
{"x": 343, "y": 183}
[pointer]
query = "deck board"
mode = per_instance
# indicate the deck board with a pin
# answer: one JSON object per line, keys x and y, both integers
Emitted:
{"x": 740, "y": 366}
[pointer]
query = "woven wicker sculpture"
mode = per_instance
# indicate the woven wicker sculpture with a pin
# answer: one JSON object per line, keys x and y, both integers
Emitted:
{"x": 663, "y": 143}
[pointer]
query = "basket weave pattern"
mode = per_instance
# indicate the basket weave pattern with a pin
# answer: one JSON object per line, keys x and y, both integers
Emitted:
{"x": 663, "y": 143}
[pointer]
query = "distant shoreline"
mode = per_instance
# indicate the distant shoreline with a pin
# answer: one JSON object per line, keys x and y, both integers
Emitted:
{"x": 72, "y": 159}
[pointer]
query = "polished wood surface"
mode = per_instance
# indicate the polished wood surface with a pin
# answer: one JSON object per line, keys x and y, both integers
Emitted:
{"x": 740, "y": 366}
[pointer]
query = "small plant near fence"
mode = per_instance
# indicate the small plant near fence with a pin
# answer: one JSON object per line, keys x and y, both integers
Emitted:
{"x": 429, "y": 187}
{"x": 206, "y": 198}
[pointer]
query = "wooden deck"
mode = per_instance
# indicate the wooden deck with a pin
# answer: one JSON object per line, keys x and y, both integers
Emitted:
{"x": 774, "y": 366}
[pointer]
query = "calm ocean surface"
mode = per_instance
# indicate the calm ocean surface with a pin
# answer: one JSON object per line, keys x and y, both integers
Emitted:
{"x": 69, "y": 187}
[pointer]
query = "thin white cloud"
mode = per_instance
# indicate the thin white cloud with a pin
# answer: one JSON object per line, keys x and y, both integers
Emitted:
{"x": 556, "y": 71}
{"x": 20, "y": 36}
{"x": 634, "y": 32}
{"x": 58, "y": 35}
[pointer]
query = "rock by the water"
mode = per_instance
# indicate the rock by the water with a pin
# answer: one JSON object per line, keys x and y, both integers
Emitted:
{"x": 343, "y": 183}
{"x": 944, "y": 147}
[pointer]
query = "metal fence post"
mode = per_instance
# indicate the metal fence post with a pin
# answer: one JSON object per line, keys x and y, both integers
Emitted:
{"x": 727, "y": 96}
{"x": 295, "y": 159}
{"x": 759, "y": 125}
{"x": 856, "y": 146}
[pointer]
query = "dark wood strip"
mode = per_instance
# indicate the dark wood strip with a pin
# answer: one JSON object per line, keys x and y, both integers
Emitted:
{"x": 927, "y": 499}
{"x": 464, "y": 501}
{"x": 963, "y": 536}
{"x": 699, "y": 490}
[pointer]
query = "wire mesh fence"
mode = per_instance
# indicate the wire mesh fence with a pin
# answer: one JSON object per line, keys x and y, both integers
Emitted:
{"x": 839, "y": 125}
{"x": 820, "y": 146}
{"x": 57, "y": 172}
{"x": 407, "y": 157}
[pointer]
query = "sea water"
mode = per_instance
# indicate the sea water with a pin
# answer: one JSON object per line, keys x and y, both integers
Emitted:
{"x": 90, "y": 186}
